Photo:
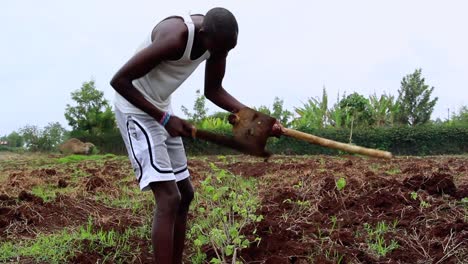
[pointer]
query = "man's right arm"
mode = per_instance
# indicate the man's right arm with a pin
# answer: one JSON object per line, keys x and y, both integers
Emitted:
{"x": 168, "y": 46}
{"x": 138, "y": 66}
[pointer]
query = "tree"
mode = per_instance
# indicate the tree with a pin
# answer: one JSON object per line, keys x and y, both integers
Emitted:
{"x": 461, "y": 117}
{"x": 383, "y": 109}
{"x": 414, "y": 99}
{"x": 355, "y": 110}
{"x": 263, "y": 109}
{"x": 31, "y": 135}
{"x": 14, "y": 139}
{"x": 199, "y": 109}
{"x": 92, "y": 113}
{"x": 52, "y": 135}
{"x": 47, "y": 139}
{"x": 281, "y": 114}
{"x": 278, "y": 111}
{"x": 314, "y": 113}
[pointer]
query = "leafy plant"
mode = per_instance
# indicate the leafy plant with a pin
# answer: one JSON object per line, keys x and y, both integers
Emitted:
{"x": 225, "y": 205}
{"x": 214, "y": 124}
{"x": 341, "y": 183}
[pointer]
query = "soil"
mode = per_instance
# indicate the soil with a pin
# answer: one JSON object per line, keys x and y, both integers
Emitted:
{"x": 376, "y": 191}
{"x": 419, "y": 198}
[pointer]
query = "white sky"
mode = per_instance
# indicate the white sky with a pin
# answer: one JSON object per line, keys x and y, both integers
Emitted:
{"x": 289, "y": 49}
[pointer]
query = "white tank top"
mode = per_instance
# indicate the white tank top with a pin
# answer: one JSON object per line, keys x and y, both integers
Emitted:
{"x": 158, "y": 84}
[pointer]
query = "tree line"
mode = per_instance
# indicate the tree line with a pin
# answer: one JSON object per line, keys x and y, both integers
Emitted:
{"x": 91, "y": 116}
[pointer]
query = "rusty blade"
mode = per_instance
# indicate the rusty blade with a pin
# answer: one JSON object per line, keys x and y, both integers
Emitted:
{"x": 230, "y": 142}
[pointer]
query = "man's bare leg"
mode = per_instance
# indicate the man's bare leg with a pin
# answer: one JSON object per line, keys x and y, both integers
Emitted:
{"x": 187, "y": 193}
{"x": 168, "y": 199}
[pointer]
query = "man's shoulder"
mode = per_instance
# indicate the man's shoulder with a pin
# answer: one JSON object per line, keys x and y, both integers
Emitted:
{"x": 173, "y": 29}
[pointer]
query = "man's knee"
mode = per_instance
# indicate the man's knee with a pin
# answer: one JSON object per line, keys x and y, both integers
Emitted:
{"x": 168, "y": 203}
{"x": 187, "y": 197}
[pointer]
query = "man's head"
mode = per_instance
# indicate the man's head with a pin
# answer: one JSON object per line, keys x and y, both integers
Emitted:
{"x": 219, "y": 30}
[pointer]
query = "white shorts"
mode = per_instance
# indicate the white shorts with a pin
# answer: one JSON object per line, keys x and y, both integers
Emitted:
{"x": 155, "y": 155}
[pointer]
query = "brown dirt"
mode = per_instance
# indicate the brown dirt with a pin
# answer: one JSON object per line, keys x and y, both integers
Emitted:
{"x": 375, "y": 191}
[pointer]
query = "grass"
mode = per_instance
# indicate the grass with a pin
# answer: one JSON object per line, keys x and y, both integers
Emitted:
{"x": 64, "y": 245}
{"x": 376, "y": 238}
{"x": 49, "y": 192}
{"x": 79, "y": 158}
{"x": 393, "y": 171}
{"x": 128, "y": 198}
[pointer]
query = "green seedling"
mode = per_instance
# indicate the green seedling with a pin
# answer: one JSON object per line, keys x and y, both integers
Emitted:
{"x": 341, "y": 183}
{"x": 375, "y": 238}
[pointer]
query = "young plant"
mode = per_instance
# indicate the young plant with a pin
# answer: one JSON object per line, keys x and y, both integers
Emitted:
{"x": 376, "y": 240}
{"x": 341, "y": 183}
{"x": 225, "y": 205}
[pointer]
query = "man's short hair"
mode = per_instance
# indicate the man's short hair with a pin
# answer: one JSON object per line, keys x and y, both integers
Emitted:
{"x": 220, "y": 22}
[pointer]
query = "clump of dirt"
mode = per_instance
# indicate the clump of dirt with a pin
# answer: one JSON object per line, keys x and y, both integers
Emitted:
{"x": 94, "y": 183}
{"x": 4, "y": 197}
{"x": 437, "y": 184}
{"x": 249, "y": 169}
{"x": 440, "y": 183}
{"x": 29, "y": 197}
{"x": 348, "y": 163}
{"x": 62, "y": 183}
{"x": 43, "y": 173}
{"x": 112, "y": 169}
{"x": 92, "y": 171}
{"x": 328, "y": 185}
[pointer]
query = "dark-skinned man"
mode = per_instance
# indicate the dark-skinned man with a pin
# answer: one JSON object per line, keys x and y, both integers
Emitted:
{"x": 150, "y": 130}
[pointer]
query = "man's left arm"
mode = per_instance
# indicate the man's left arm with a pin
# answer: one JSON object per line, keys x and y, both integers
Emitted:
{"x": 214, "y": 91}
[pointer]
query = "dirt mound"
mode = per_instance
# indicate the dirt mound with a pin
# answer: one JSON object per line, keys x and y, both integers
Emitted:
{"x": 62, "y": 183}
{"x": 76, "y": 146}
{"x": 249, "y": 169}
{"x": 43, "y": 172}
{"x": 26, "y": 196}
{"x": 437, "y": 184}
{"x": 348, "y": 163}
{"x": 94, "y": 183}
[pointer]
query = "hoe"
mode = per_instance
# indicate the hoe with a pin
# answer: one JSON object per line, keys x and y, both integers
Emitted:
{"x": 251, "y": 130}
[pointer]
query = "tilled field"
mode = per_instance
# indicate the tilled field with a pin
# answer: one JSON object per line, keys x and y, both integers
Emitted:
{"x": 316, "y": 209}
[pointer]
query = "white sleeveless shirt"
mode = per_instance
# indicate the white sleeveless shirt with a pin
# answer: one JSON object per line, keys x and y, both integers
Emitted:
{"x": 158, "y": 84}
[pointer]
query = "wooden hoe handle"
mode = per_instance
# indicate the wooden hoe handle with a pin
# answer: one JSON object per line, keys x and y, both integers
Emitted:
{"x": 336, "y": 145}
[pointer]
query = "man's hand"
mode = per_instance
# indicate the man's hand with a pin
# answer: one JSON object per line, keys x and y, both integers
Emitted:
{"x": 177, "y": 127}
{"x": 277, "y": 129}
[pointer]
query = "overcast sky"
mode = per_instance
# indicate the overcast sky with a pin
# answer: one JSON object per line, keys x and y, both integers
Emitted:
{"x": 289, "y": 49}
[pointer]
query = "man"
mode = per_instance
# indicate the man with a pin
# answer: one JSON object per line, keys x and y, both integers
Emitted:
{"x": 152, "y": 134}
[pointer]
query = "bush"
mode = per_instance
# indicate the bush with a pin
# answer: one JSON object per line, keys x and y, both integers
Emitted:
{"x": 418, "y": 140}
